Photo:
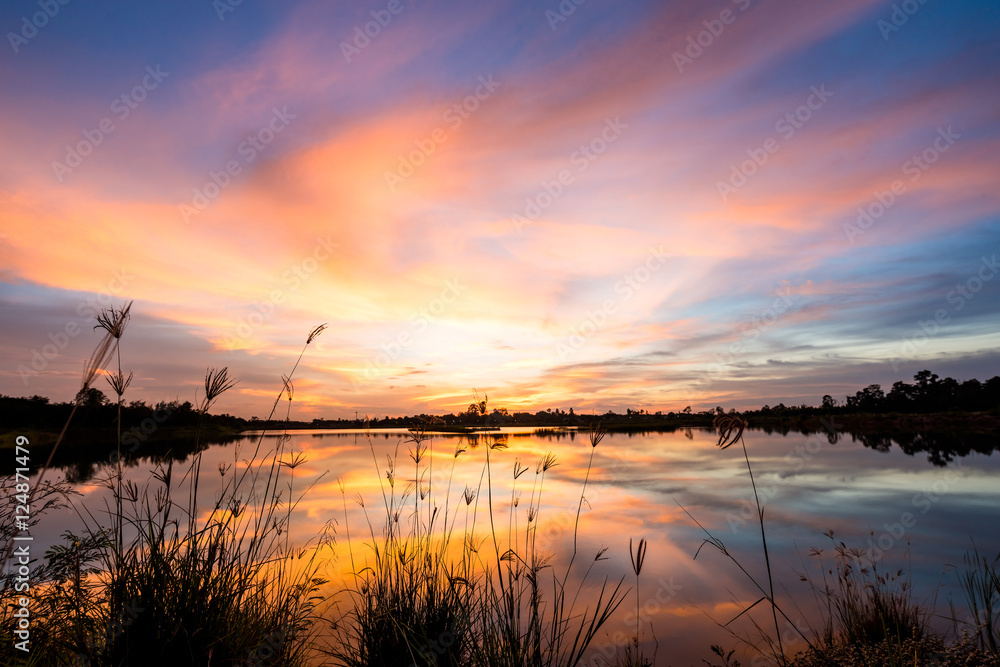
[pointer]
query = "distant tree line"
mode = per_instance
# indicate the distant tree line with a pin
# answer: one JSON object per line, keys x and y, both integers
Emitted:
{"x": 96, "y": 411}
{"x": 927, "y": 394}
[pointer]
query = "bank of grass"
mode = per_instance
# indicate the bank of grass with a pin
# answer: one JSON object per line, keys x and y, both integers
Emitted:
{"x": 156, "y": 577}
{"x": 431, "y": 590}
{"x": 869, "y": 615}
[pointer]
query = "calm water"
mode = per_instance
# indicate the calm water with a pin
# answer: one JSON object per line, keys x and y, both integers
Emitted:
{"x": 905, "y": 509}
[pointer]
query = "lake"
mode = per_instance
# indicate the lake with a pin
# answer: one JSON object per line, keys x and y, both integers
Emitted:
{"x": 915, "y": 510}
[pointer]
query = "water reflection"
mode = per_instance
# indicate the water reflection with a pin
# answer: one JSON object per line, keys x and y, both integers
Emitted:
{"x": 80, "y": 464}
{"x": 857, "y": 485}
{"x": 941, "y": 447}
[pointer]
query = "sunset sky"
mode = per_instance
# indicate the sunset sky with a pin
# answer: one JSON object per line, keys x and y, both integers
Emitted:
{"x": 598, "y": 205}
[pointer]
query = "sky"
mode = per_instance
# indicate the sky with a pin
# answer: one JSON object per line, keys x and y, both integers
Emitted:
{"x": 580, "y": 204}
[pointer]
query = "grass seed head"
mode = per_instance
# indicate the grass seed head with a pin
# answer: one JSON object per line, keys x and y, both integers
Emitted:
{"x": 119, "y": 382}
{"x": 113, "y": 320}
{"x": 730, "y": 429}
{"x": 217, "y": 382}
{"x": 597, "y": 434}
{"x": 639, "y": 556}
{"x": 546, "y": 462}
{"x": 102, "y": 353}
{"x": 315, "y": 332}
{"x": 294, "y": 461}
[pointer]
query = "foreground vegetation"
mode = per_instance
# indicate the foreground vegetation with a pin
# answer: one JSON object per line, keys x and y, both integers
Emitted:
{"x": 869, "y": 615}
{"x": 436, "y": 592}
{"x": 162, "y": 575}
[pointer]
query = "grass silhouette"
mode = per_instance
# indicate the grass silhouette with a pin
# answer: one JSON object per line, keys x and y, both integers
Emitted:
{"x": 157, "y": 579}
{"x": 431, "y": 594}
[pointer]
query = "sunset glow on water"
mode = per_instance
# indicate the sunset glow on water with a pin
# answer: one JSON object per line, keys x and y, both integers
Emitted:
{"x": 636, "y": 489}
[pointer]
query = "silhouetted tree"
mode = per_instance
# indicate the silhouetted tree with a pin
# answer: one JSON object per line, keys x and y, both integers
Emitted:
{"x": 869, "y": 399}
{"x": 91, "y": 398}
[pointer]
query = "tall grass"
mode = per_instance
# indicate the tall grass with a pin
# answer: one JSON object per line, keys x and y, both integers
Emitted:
{"x": 980, "y": 581}
{"x": 731, "y": 428}
{"x": 633, "y": 656}
{"x": 869, "y": 617}
{"x": 432, "y": 591}
{"x": 868, "y": 604}
{"x": 863, "y": 606}
{"x": 160, "y": 576}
